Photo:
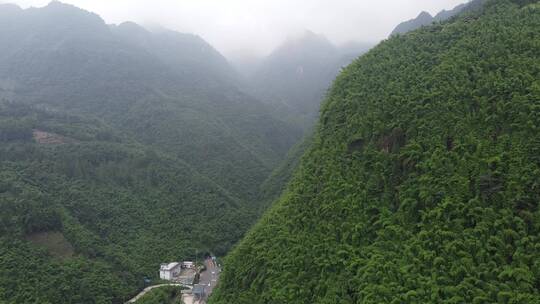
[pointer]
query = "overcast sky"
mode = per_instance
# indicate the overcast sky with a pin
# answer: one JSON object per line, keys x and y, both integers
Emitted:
{"x": 260, "y": 25}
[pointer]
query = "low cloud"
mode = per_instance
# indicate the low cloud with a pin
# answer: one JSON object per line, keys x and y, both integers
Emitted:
{"x": 258, "y": 26}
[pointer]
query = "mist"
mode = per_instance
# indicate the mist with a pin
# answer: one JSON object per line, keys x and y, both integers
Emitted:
{"x": 257, "y": 27}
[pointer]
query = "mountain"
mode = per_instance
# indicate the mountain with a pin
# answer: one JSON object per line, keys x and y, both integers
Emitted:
{"x": 349, "y": 51}
{"x": 87, "y": 212}
{"x": 120, "y": 148}
{"x": 277, "y": 182}
{"x": 245, "y": 62}
{"x": 167, "y": 89}
{"x": 421, "y": 182}
{"x": 296, "y": 75}
{"x": 179, "y": 51}
{"x": 447, "y": 14}
{"x": 294, "y": 78}
{"x": 425, "y": 18}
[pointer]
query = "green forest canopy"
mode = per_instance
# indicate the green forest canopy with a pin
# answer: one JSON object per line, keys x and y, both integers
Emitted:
{"x": 422, "y": 181}
{"x": 123, "y": 208}
{"x": 120, "y": 149}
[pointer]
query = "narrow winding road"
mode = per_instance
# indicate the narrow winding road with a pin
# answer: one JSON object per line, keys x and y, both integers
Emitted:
{"x": 209, "y": 278}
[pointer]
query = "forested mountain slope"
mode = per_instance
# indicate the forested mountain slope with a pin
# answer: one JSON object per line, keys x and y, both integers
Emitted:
{"x": 120, "y": 149}
{"x": 421, "y": 184}
{"x": 166, "y": 89}
{"x": 108, "y": 209}
{"x": 277, "y": 182}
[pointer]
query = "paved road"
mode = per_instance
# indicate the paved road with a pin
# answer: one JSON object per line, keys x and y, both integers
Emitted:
{"x": 210, "y": 277}
{"x": 147, "y": 289}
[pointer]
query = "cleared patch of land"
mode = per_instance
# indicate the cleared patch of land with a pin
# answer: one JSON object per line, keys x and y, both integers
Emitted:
{"x": 55, "y": 243}
{"x": 47, "y": 138}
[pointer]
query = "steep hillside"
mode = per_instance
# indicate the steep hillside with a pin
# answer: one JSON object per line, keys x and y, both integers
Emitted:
{"x": 120, "y": 149}
{"x": 87, "y": 216}
{"x": 166, "y": 89}
{"x": 421, "y": 184}
{"x": 277, "y": 182}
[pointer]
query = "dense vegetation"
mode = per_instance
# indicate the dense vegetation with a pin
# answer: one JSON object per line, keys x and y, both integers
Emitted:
{"x": 422, "y": 182}
{"x": 120, "y": 149}
{"x": 277, "y": 182}
{"x": 123, "y": 207}
{"x": 166, "y": 89}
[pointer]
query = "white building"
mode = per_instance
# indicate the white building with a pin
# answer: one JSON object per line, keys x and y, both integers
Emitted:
{"x": 169, "y": 271}
{"x": 188, "y": 264}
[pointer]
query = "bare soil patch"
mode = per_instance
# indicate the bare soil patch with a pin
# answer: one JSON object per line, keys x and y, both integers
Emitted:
{"x": 47, "y": 138}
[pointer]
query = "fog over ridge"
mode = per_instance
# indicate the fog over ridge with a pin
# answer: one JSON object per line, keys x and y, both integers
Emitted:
{"x": 257, "y": 27}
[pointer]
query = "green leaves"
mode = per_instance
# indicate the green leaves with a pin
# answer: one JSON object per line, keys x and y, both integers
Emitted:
{"x": 124, "y": 207}
{"x": 420, "y": 185}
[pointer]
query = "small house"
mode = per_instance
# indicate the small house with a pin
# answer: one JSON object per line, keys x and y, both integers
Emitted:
{"x": 188, "y": 264}
{"x": 169, "y": 271}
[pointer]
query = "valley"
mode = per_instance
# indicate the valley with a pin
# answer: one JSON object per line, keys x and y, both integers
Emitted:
{"x": 323, "y": 170}
{"x": 119, "y": 151}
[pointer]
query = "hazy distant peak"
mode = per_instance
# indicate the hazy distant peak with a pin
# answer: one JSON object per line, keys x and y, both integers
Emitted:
{"x": 56, "y": 3}
{"x": 423, "y": 19}
{"x": 310, "y": 34}
{"x": 131, "y": 28}
{"x": 9, "y": 7}
{"x": 63, "y": 7}
{"x": 355, "y": 48}
{"x": 64, "y": 10}
{"x": 186, "y": 41}
{"x": 426, "y": 19}
{"x": 66, "y": 18}
{"x": 9, "y": 11}
{"x": 424, "y": 14}
{"x": 134, "y": 29}
{"x": 173, "y": 33}
{"x": 314, "y": 37}
{"x": 307, "y": 41}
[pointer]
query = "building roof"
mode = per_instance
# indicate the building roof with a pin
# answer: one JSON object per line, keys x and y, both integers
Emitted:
{"x": 169, "y": 266}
